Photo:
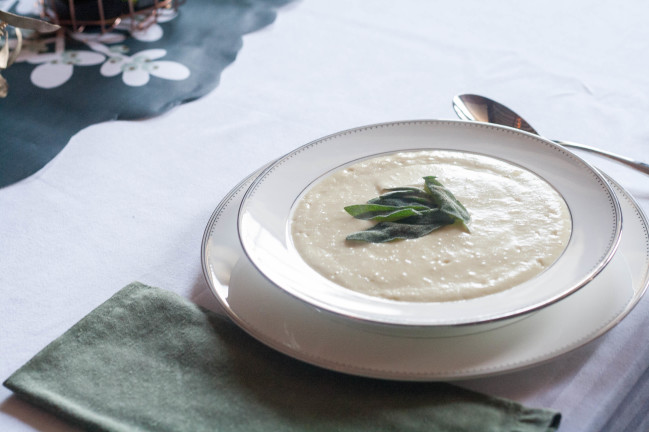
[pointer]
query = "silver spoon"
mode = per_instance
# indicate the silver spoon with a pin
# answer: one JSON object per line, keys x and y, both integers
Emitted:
{"x": 479, "y": 108}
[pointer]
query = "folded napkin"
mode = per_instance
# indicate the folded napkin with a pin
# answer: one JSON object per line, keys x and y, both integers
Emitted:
{"x": 149, "y": 360}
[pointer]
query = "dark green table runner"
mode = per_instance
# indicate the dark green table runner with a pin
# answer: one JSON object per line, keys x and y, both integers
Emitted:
{"x": 149, "y": 360}
{"x": 52, "y": 95}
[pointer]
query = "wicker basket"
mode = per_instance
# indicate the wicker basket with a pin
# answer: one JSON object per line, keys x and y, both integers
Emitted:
{"x": 103, "y": 15}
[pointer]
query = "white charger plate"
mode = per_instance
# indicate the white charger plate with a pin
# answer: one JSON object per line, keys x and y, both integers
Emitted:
{"x": 305, "y": 332}
{"x": 266, "y": 208}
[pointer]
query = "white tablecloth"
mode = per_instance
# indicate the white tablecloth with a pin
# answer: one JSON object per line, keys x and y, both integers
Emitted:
{"x": 129, "y": 201}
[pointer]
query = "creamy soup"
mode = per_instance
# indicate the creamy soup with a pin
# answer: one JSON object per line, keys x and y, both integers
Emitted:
{"x": 519, "y": 227}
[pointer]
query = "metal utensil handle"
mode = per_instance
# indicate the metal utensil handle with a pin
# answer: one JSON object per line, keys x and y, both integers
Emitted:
{"x": 640, "y": 166}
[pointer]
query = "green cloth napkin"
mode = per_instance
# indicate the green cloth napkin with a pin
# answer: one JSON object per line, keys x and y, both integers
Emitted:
{"x": 149, "y": 360}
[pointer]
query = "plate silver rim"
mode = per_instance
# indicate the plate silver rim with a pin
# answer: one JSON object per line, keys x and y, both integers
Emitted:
{"x": 405, "y": 375}
{"x": 494, "y": 318}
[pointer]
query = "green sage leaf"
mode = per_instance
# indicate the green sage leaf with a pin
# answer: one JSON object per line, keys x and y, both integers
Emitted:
{"x": 430, "y": 216}
{"x": 446, "y": 200}
{"x": 404, "y": 198}
{"x": 389, "y": 231}
{"x": 383, "y": 213}
{"x": 407, "y": 213}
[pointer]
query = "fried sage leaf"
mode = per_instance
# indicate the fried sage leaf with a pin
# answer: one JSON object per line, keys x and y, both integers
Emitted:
{"x": 408, "y": 213}
{"x": 404, "y": 197}
{"x": 430, "y": 216}
{"x": 383, "y": 213}
{"x": 389, "y": 231}
{"x": 445, "y": 199}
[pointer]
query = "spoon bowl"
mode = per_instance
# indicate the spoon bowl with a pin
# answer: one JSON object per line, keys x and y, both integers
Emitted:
{"x": 482, "y": 109}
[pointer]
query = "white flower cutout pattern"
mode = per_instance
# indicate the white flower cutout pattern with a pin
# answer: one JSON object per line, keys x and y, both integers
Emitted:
{"x": 57, "y": 68}
{"x": 137, "y": 69}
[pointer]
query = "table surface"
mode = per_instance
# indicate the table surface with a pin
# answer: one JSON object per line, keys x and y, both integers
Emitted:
{"x": 128, "y": 201}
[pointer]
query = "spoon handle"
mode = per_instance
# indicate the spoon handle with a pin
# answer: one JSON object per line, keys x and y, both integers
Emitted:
{"x": 640, "y": 166}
